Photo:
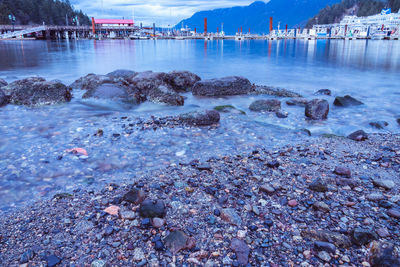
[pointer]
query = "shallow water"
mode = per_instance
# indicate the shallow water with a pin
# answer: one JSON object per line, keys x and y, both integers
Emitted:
{"x": 32, "y": 140}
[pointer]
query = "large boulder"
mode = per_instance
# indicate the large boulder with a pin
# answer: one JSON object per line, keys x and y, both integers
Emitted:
{"x": 163, "y": 95}
{"x": 317, "y": 109}
{"x": 91, "y": 81}
{"x": 37, "y": 91}
{"x": 226, "y": 86}
{"x": 3, "y": 98}
{"x": 201, "y": 118}
{"x": 107, "y": 91}
{"x": 3, "y": 83}
{"x": 269, "y": 105}
{"x": 297, "y": 101}
{"x": 124, "y": 74}
{"x": 346, "y": 101}
{"x": 181, "y": 81}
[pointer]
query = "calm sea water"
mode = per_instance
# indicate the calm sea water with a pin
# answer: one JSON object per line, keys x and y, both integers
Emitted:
{"x": 31, "y": 140}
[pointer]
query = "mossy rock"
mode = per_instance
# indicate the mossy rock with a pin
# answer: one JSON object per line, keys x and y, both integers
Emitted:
{"x": 229, "y": 109}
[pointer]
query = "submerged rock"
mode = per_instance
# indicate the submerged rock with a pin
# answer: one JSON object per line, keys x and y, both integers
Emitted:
{"x": 273, "y": 91}
{"x": 346, "y": 101}
{"x": 181, "y": 81}
{"x": 226, "y": 86}
{"x": 359, "y": 135}
{"x": 3, "y": 98}
{"x": 317, "y": 109}
{"x": 297, "y": 101}
{"x": 201, "y": 118}
{"x": 269, "y": 105}
{"x": 37, "y": 91}
{"x": 229, "y": 109}
{"x": 379, "y": 124}
{"x": 323, "y": 92}
{"x": 3, "y": 83}
{"x": 107, "y": 91}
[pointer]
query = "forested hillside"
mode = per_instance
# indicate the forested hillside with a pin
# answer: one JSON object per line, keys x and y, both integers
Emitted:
{"x": 334, "y": 13}
{"x": 54, "y": 12}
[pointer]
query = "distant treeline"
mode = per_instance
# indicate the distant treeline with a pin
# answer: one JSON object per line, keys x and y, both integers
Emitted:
{"x": 51, "y": 12}
{"x": 334, "y": 13}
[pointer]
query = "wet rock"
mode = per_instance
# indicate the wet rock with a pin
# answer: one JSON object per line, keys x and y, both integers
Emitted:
{"x": 323, "y": 92}
{"x": 3, "y": 98}
{"x": 379, "y": 124}
{"x": 270, "y": 105}
{"x": 134, "y": 196}
{"x": 342, "y": 171}
{"x": 282, "y": 114}
{"x": 394, "y": 213}
{"x": 382, "y": 255}
{"x": 267, "y": 189}
{"x": 318, "y": 185}
{"x": 121, "y": 73}
{"x": 27, "y": 256}
{"x": 181, "y": 81}
{"x": 229, "y": 109}
{"x": 229, "y": 215}
{"x": 359, "y": 135}
{"x": 363, "y": 236}
{"x": 317, "y": 109}
{"x": 346, "y": 101}
{"x": 226, "y": 86}
{"x": 325, "y": 246}
{"x": 322, "y": 206}
{"x": 384, "y": 183}
{"x": 37, "y": 91}
{"x": 337, "y": 239}
{"x": 298, "y": 101}
{"x": 163, "y": 95}
{"x": 323, "y": 255}
{"x": 242, "y": 251}
{"x": 201, "y": 118}
{"x": 52, "y": 260}
{"x": 3, "y": 83}
{"x": 91, "y": 81}
{"x": 152, "y": 209}
{"x": 98, "y": 263}
{"x": 158, "y": 222}
{"x": 273, "y": 91}
{"x": 178, "y": 240}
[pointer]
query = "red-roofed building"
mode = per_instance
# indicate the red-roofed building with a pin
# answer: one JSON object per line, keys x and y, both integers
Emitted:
{"x": 113, "y": 22}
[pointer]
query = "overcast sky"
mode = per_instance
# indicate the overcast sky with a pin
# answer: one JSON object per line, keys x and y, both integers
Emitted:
{"x": 162, "y": 12}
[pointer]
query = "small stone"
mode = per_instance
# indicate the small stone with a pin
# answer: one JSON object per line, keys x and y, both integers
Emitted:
{"x": 323, "y": 255}
{"x": 27, "y": 256}
{"x": 343, "y": 171}
{"x": 282, "y": 114}
{"x": 363, "y": 236}
{"x": 242, "y": 251}
{"x": 323, "y": 92}
{"x": 158, "y": 222}
{"x": 178, "y": 240}
{"x": 318, "y": 185}
{"x": 307, "y": 254}
{"x": 52, "y": 260}
{"x": 383, "y": 232}
{"x": 273, "y": 164}
{"x": 159, "y": 246}
{"x": 326, "y": 246}
{"x": 359, "y": 135}
{"x": 384, "y": 183}
{"x": 267, "y": 189}
{"x": 381, "y": 255}
{"x": 128, "y": 215}
{"x": 229, "y": 215}
{"x": 138, "y": 254}
{"x": 152, "y": 209}
{"x": 379, "y": 124}
{"x": 134, "y": 196}
{"x": 112, "y": 210}
{"x": 292, "y": 203}
{"x": 394, "y": 213}
{"x": 98, "y": 263}
{"x": 375, "y": 197}
{"x": 319, "y": 205}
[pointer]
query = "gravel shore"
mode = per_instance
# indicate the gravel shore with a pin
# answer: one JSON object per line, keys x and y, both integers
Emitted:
{"x": 331, "y": 201}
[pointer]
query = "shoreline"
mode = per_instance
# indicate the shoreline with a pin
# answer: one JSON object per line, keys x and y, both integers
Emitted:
{"x": 265, "y": 208}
